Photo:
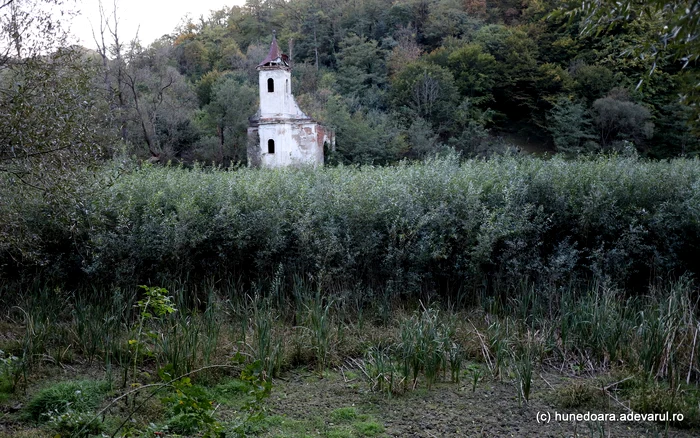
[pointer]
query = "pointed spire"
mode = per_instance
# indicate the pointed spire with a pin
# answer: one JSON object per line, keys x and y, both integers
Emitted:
{"x": 275, "y": 57}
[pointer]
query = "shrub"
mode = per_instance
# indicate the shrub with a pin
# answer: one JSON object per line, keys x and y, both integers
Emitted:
{"x": 618, "y": 118}
{"x": 79, "y": 396}
{"x": 441, "y": 225}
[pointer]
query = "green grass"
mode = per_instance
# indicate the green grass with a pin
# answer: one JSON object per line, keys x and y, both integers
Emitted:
{"x": 580, "y": 395}
{"x": 340, "y": 433}
{"x": 340, "y": 423}
{"x": 344, "y": 415}
{"x": 368, "y": 428}
{"x": 76, "y": 395}
{"x": 231, "y": 388}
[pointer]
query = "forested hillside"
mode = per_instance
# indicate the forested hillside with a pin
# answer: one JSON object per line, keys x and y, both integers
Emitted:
{"x": 403, "y": 79}
{"x": 409, "y": 78}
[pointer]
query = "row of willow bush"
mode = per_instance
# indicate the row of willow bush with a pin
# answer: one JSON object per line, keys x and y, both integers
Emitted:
{"x": 444, "y": 225}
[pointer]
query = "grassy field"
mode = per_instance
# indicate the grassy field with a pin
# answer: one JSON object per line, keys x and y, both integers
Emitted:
{"x": 315, "y": 365}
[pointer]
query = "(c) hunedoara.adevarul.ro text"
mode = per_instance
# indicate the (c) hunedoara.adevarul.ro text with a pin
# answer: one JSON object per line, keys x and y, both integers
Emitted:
{"x": 564, "y": 417}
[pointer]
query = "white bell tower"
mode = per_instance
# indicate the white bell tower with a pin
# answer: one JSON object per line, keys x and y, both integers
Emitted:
{"x": 275, "y": 84}
{"x": 280, "y": 134}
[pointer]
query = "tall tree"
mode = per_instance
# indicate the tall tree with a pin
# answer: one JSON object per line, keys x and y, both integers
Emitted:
{"x": 361, "y": 67}
{"x": 232, "y": 102}
{"x": 160, "y": 97}
{"x": 427, "y": 91}
{"x": 48, "y": 117}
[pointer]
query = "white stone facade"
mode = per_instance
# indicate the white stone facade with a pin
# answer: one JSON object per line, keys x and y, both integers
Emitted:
{"x": 280, "y": 134}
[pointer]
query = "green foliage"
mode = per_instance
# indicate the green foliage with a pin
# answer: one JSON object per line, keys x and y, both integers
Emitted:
{"x": 524, "y": 364}
{"x": 267, "y": 347}
{"x": 593, "y": 81}
{"x": 570, "y": 126}
{"x": 231, "y": 102}
{"x": 395, "y": 229}
{"x": 253, "y": 410}
{"x": 598, "y": 322}
{"x": 368, "y": 428}
{"x": 361, "y": 66}
{"x": 515, "y": 55}
{"x": 618, "y": 118}
{"x": 74, "y": 423}
{"x": 72, "y": 397}
{"x": 188, "y": 98}
{"x": 362, "y": 136}
{"x": 381, "y": 371}
{"x": 344, "y": 415}
{"x": 318, "y": 322}
{"x": 680, "y": 17}
{"x": 191, "y": 408}
{"x": 423, "y": 340}
{"x": 476, "y": 372}
{"x": 9, "y": 374}
{"x": 50, "y": 119}
{"x": 474, "y": 70}
{"x": 427, "y": 345}
{"x": 422, "y": 139}
{"x": 155, "y": 305}
{"x": 425, "y": 90}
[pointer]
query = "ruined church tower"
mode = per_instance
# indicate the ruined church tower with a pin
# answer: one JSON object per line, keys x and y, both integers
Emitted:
{"x": 280, "y": 134}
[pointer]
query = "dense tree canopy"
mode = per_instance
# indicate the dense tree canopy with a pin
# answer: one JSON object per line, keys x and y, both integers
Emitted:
{"x": 395, "y": 79}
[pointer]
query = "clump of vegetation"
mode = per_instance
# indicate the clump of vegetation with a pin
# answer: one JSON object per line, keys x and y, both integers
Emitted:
{"x": 427, "y": 347}
{"x": 191, "y": 410}
{"x": 476, "y": 226}
{"x": 344, "y": 415}
{"x": 8, "y": 374}
{"x": 77, "y": 397}
{"x": 581, "y": 395}
{"x": 74, "y": 423}
{"x": 650, "y": 396}
{"x": 368, "y": 428}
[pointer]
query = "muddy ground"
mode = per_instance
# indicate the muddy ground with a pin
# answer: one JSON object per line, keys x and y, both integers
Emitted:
{"x": 341, "y": 404}
{"x": 492, "y": 409}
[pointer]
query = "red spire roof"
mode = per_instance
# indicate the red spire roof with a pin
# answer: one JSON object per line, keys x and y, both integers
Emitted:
{"x": 274, "y": 54}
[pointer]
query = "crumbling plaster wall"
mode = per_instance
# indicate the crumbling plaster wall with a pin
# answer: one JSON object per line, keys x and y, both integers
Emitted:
{"x": 295, "y": 143}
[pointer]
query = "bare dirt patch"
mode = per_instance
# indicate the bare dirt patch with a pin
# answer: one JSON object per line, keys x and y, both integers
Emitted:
{"x": 493, "y": 409}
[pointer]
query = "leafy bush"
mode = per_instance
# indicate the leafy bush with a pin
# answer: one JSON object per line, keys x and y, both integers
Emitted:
{"x": 75, "y": 396}
{"x": 8, "y": 371}
{"x": 616, "y": 117}
{"x": 444, "y": 225}
{"x": 192, "y": 410}
{"x": 74, "y": 424}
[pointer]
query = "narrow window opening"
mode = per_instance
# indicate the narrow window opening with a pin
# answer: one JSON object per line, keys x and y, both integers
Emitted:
{"x": 270, "y": 85}
{"x": 286, "y": 89}
{"x": 270, "y": 146}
